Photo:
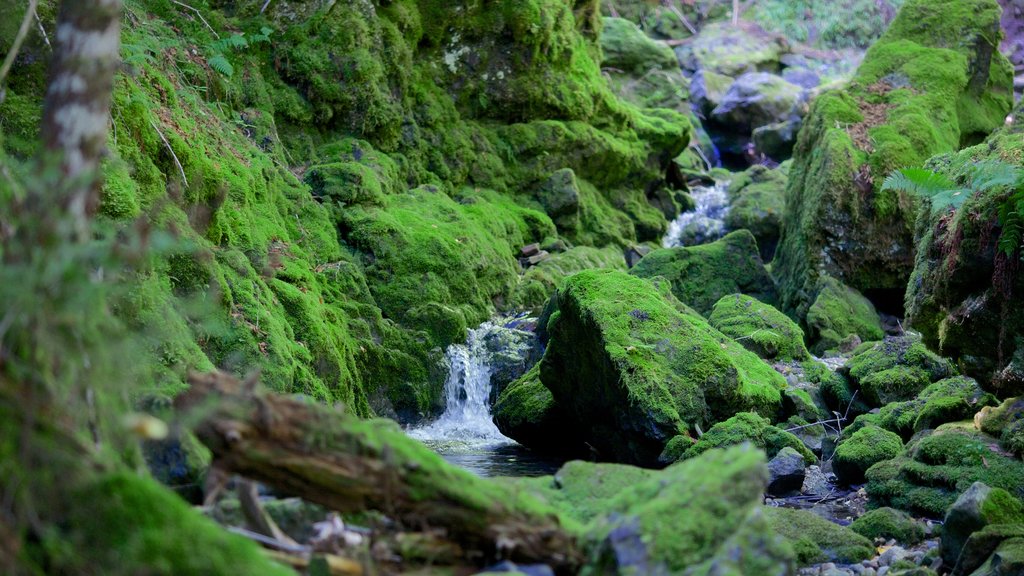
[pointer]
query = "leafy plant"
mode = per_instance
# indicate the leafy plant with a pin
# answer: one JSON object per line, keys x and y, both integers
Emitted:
{"x": 944, "y": 194}
{"x": 237, "y": 42}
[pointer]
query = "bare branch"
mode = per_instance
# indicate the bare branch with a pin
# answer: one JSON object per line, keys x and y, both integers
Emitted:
{"x": 16, "y": 46}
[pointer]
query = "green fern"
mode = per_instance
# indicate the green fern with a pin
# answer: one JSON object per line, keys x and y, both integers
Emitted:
{"x": 943, "y": 192}
{"x": 220, "y": 63}
{"x": 983, "y": 176}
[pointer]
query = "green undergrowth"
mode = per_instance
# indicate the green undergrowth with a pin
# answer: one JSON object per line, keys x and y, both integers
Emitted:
{"x": 351, "y": 183}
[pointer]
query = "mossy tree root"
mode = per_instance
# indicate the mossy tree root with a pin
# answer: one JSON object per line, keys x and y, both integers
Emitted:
{"x": 349, "y": 465}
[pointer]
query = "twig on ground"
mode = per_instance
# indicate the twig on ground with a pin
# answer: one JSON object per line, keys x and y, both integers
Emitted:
{"x": 200, "y": 14}
{"x": 171, "y": 150}
{"x": 679, "y": 14}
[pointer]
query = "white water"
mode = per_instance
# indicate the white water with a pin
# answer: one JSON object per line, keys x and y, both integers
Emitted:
{"x": 467, "y": 415}
{"x": 703, "y": 224}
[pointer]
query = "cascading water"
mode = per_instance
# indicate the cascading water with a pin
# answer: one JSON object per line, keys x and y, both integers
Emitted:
{"x": 465, "y": 434}
{"x": 467, "y": 414}
{"x": 705, "y": 223}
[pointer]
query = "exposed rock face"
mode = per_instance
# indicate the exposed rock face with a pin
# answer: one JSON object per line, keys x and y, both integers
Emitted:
{"x": 964, "y": 293}
{"x": 701, "y": 275}
{"x": 786, "y": 472}
{"x": 756, "y": 99}
{"x": 932, "y": 83}
{"x": 632, "y": 367}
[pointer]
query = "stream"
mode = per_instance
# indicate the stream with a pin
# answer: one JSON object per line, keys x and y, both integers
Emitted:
{"x": 705, "y": 223}
{"x": 465, "y": 434}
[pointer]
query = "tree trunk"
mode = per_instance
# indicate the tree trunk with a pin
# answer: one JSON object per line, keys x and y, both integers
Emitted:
{"x": 351, "y": 465}
{"x": 76, "y": 112}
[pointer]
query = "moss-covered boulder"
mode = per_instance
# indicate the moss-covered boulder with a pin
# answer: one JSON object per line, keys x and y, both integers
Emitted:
{"x": 934, "y": 82}
{"x": 840, "y": 314}
{"x": 693, "y": 515}
{"x": 895, "y": 369}
{"x": 526, "y": 412}
{"x": 757, "y": 198}
{"x": 996, "y": 550}
{"x": 964, "y": 292}
{"x": 862, "y": 450}
{"x": 817, "y": 540}
{"x": 702, "y": 275}
{"x": 979, "y": 506}
{"x": 949, "y": 400}
{"x": 759, "y": 328}
{"x": 889, "y": 523}
{"x": 756, "y": 99}
{"x": 633, "y": 367}
{"x": 746, "y": 427}
{"x": 733, "y": 51}
{"x": 626, "y": 47}
{"x": 936, "y": 468}
{"x": 1005, "y": 422}
{"x": 538, "y": 283}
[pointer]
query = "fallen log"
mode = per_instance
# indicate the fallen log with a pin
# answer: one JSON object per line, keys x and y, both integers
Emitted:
{"x": 349, "y": 465}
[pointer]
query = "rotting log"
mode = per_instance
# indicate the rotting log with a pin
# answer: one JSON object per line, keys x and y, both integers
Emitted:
{"x": 349, "y": 465}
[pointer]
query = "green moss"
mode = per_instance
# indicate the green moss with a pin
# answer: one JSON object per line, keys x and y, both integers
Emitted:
{"x": 526, "y": 412}
{"x": 838, "y": 313}
{"x": 849, "y": 24}
{"x": 886, "y": 523}
{"x": 916, "y": 94}
{"x": 143, "y": 528}
{"x": 936, "y": 469}
{"x": 895, "y": 369}
{"x": 759, "y": 327}
{"x": 746, "y": 427}
{"x": 632, "y": 364}
{"x": 687, "y": 511}
{"x": 863, "y": 449}
{"x": 626, "y": 47}
{"x": 702, "y": 275}
{"x": 817, "y": 540}
{"x": 583, "y": 490}
{"x": 1006, "y": 422}
{"x": 756, "y": 203}
{"x": 539, "y": 282}
{"x": 948, "y": 400}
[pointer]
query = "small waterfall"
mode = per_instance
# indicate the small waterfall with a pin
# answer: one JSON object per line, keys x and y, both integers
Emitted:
{"x": 467, "y": 415}
{"x": 703, "y": 224}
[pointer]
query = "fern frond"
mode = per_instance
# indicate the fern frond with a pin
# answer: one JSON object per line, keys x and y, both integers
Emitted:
{"x": 990, "y": 174}
{"x": 943, "y": 192}
{"x": 220, "y": 64}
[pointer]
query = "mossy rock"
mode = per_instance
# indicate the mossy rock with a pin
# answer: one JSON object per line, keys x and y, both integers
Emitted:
{"x": 996, "y": 550}
{"x": 978, "y": 507}
{"x": 633, "y": 367}
{"x": 839, "y": 313}
{"x": 538, "y": 283}
{"x": 959, "y": 298}
{"x": 750, "y": 428}
{"x": 526, "y": 412}
{"x": 699, "y": 511}
{"x": 702, "y": 275}
{"x": 889, "y": 523}
{"x": 757, "y": 199}
{"x": 817, "y": 540}
{"x": 626, "y": 47}
{"x": 143, "y": 528}
{"x": 732, "y": 51}
{"x": 939, "y": 466}
{"x": 826, "y": 24}
{"x": 759, "y": 328}
{"x": 1005, "y": 422}
{"x": 865, "y": 448}
{"x": 896, "y": 369}
{"x": 948, "y": 400}
{"x": 934, "y": 82}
